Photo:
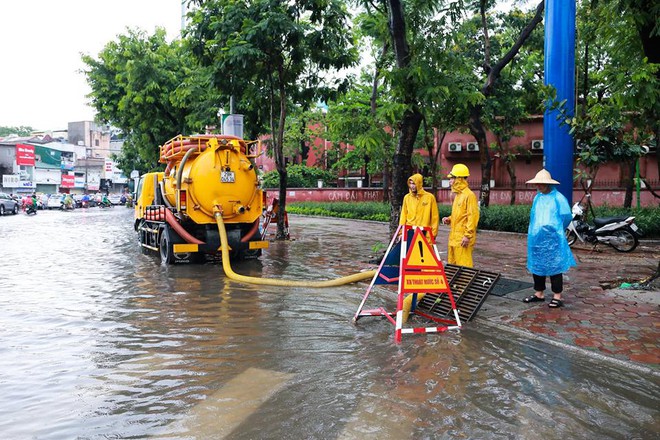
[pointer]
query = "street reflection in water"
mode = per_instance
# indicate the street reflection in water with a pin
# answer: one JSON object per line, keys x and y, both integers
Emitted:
{"x": 100, "y": 341}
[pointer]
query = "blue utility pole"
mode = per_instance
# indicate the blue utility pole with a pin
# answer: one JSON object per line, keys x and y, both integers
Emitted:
{"x": 560, "y": 73}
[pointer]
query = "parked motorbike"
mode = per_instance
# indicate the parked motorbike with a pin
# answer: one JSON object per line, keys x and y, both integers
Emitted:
{"x": 619, "y": 232}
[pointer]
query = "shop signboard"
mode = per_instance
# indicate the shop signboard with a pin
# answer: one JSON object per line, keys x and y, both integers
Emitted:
{"x": 11, "y": 180}
{"x": 68, "y": 181}
{"x": 24, "y": 155}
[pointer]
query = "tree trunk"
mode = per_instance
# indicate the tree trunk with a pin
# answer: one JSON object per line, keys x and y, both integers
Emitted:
{"x": 433, "y": 165}
{"x": 387, "y": 178}
{"x": 434, "y": 158}
{"x": 477, "y": 130}
{"x": 281, "y": 164}
{"x": 374, "y": 101}
{"x": 412, "y": 117}
{"x": 492, "y": 74}
{"x": 402, "y": 163}
{"x": 628, "y": 169}
{"x": 511, "y": 169}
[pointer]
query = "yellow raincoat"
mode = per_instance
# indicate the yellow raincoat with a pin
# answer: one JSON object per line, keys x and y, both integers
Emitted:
{"x": 419, "y": 209}
{"x": 463, "y": 221}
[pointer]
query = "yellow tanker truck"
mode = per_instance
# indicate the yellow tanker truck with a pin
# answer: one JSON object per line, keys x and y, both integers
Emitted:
{"x": 204, "y": 174}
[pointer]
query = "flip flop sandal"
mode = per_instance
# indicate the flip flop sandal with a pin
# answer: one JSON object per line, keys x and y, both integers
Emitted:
{"x": 556, "y": 303}
{"x": 533, "y": 299}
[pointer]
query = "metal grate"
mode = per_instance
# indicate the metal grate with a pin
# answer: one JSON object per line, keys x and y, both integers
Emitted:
{"x": 469, "y": 286}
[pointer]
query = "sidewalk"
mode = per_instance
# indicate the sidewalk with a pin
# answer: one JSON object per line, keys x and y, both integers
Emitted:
{"x": 620, "y": 324}
{"x": 597, "y": 315}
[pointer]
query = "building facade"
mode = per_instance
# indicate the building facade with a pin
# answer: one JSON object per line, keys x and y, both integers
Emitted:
{"x": 81, "y": 164}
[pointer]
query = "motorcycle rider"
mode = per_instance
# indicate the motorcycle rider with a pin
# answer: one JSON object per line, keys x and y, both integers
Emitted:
{"x": 105, "y": 201}
{"x": 548, "y": 253}
{"x": 32, "y": 206}
{"x": 67, "y": 201}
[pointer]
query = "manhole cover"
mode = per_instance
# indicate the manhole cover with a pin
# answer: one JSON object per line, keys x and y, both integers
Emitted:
{"x": 507, "y": 285}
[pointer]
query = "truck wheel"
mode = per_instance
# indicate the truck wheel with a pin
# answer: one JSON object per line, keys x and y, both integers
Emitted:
{"x": 166, "y": 248}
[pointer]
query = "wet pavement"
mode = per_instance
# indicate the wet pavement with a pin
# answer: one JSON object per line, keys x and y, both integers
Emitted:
{"x": 597, "y": 316}
{"x": 99, "y": 341}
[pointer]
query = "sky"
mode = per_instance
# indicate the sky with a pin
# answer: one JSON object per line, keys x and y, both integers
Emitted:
{"x": 41, "y": 42}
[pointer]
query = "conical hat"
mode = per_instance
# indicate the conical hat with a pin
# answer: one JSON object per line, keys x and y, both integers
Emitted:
{"x": 543, "y": 176}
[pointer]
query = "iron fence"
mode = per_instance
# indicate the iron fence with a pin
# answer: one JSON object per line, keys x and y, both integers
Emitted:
{"x": 613, "y": 184}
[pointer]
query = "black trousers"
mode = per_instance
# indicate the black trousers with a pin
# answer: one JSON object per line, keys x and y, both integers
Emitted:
{"x": 556, "y": 283}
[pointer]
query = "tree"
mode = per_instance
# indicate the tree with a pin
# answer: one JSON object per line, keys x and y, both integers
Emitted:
{"x": 20, "y": 131}
{"x": 152, "y": 91}
{"x": 619, "y": 97}
{"x": 267, "y": 49}
{"x": 492, "y": 72}
{"x": 354, "y": 119}
{"x": 517, "y": 95}
{"x": 406, "y": 37}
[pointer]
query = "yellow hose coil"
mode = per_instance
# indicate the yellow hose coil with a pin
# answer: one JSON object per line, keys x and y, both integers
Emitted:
{"x": 271, "y": 282}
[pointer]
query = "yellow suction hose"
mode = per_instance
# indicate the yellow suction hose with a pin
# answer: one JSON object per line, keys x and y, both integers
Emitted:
{"x": 272, "y": 282}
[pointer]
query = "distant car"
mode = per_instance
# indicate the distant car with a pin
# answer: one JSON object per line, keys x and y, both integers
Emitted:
{"x": 115, "y": 199}
{"x": 43, "y": 201}
{"x": 54, "y": 201}
{"x": 7, "y": 204}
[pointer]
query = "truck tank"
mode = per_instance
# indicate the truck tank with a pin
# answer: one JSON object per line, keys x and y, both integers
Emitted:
{"x": 204, "y": 174}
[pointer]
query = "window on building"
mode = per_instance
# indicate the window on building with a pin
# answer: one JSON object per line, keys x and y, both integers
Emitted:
{"x": 96, "y": 142}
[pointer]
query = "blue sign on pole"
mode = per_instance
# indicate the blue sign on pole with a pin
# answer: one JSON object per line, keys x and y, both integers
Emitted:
{"x": 560, "y": 73}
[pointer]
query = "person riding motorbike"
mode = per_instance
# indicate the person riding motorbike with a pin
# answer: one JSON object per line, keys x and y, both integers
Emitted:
{"x": 105, "y": 201}
{"x": 32, "y": 205}
{"x": 67, "y": 201}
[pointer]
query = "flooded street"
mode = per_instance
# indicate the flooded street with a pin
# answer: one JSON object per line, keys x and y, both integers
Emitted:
{"x": 99, "y": 341}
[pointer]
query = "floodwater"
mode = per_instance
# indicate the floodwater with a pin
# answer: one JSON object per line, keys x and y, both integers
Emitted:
{"x": 99, "y": 341}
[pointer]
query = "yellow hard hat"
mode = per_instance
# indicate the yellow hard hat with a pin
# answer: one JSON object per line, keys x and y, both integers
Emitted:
{"x": 459, "y": 170}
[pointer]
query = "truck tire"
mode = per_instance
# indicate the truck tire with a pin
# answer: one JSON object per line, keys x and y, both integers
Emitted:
{"x": 166, "y": 247}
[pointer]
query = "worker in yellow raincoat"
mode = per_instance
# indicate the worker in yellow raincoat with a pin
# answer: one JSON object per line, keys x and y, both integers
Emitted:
{"x": 463, "y": 220}
{"x": 419, "y": 209}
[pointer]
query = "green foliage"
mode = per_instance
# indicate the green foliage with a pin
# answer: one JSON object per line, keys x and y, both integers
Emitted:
{"x": 300, "y": 176}
{"x": 20, "y": 131}
{"x": 375, "y": 211}
{"x": 503, "y": 218}
{"x": 272, "y": 55}
{"x": 648, "y": 219}
{"x": 360, "y": 211}
{"x": 351, "y": 120}
{"x": 618, "y": 93}
{"x": 152, "y": 91}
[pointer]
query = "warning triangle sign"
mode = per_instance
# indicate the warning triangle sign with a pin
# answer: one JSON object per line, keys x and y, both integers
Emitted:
{"x": 420, "y": 254}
